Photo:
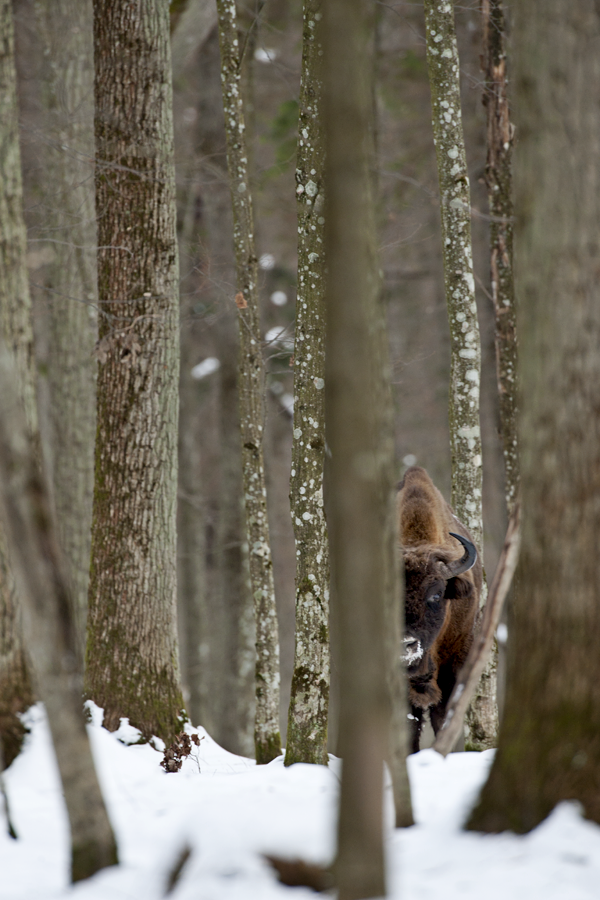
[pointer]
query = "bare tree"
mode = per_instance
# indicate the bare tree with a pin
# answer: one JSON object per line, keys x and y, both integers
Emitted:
{"x": 66, "y": 84}
{"x": 548, "y": 742}
{"x": 309, "y": 702}
{"x": 29, "y": 542}
{"x": 222, "y": 685}
{"x": 49, "y": 627}
{"x": 465, "y": 364}
{"x": 360, "y": 487}
{"x": 132, "y": 662}
{"x": 399, "y": 738}
{"x": 16, "y": 693}
{"x": 267, "y": 739}
{"x": 498, "y": 176}
{"x": 192, "y": 620}
{"x": 455, "y": 206}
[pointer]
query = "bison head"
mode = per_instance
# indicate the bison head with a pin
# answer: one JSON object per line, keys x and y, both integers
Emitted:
{"x": 432, "y": 582}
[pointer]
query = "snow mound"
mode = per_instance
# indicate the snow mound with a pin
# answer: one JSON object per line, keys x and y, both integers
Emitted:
{"x": 228, "y": 812}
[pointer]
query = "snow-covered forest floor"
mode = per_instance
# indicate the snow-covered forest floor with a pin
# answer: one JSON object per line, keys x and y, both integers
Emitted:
{"x": 229, "y": 813}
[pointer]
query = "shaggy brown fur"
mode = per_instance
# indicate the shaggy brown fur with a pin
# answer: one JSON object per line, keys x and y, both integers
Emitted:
{"x": 441, "y": 607}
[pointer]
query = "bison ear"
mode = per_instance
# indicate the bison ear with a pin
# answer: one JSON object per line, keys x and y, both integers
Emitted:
{"x": 458, "y": 588}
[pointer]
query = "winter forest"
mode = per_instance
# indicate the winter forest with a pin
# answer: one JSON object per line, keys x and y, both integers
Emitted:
{"x": 299, "y": 449}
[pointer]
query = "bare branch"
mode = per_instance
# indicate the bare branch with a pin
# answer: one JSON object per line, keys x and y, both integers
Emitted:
{"x": 478, "y": 656}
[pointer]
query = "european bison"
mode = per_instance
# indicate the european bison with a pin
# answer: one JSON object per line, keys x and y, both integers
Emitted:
{"x": 443, "y": 585}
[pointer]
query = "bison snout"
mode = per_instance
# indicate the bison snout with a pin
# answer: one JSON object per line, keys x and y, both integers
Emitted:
{"x": 413, "y": 649}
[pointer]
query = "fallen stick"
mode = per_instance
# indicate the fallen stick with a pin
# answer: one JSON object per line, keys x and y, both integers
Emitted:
{"x": 478, "y": 655}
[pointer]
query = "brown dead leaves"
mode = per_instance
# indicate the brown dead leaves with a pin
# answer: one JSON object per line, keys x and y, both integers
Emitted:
{"x": 178, "y": 751}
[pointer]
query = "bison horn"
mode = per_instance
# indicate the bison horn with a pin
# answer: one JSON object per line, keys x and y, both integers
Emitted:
{"x": 467, "y": 561}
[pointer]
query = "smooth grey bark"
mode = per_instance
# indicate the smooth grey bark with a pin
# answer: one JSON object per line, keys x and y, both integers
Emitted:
{"x": 359, "y": 465}
{"x": 192, "y": 29}
{"x": 267, "y": 738}
{"x": 399, "y": 739}
{"x": 193, "y": 568}
{"x": 16, "y": 693}
{"x": 132, "y": 664}
{"x": 309, "y": 701}
{"x": 49, "y": 628}
{"x": 465, "y": 361}
{"x": 67, "y": 88}
{"x": 498, "y": 176}
{"x": 191, "y": 524}
{"x": 549, "y": 743}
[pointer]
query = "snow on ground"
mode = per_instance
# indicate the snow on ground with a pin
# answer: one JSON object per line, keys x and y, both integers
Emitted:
{"x": 229, "y": 812}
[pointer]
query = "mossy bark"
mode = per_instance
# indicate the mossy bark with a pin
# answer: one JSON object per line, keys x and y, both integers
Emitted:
{"x": 251, "y": 379}
{"x": 16, "y": 693}
{"x": 309, "y": 701}
{"x": 132, "y": 659}
{"x": 67, "y": 89}
{"x": 359, "y": 462}
{"x": 549, "y": 742}
{"x": 465, "y": 359}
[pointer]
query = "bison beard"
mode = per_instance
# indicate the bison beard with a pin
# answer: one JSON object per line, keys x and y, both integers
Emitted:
{"x": 443, "y": 584}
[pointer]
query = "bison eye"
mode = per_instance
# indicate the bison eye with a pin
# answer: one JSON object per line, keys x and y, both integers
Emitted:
{"x": 437, "y": 596}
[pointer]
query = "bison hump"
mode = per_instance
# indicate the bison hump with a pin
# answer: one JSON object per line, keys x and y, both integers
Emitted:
{"x": 423, "y": 514}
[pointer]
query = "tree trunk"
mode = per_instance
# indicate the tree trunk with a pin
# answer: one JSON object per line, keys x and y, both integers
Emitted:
{"x": 70, "y": 279}
{"x": 355, "y": 421}
{"x": 455, "y": 205}
{"x": 190, "y": 28}
{"x": 465, "y": 362}
{"x": 16, "y": 693}
{"x": 50, "y": 630}
{"x": 237, "y": 711}
{"x": 549, "y": 745}
{"x": 396, "y": 673}
{"x": 267, "y": 738}
{"x": 498, "y": 176}
{"x": 309, "y": 701}
{"x": 191, "y": 524}
{"x": 220, "y": 644}
{"x": 132, "y": 664}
